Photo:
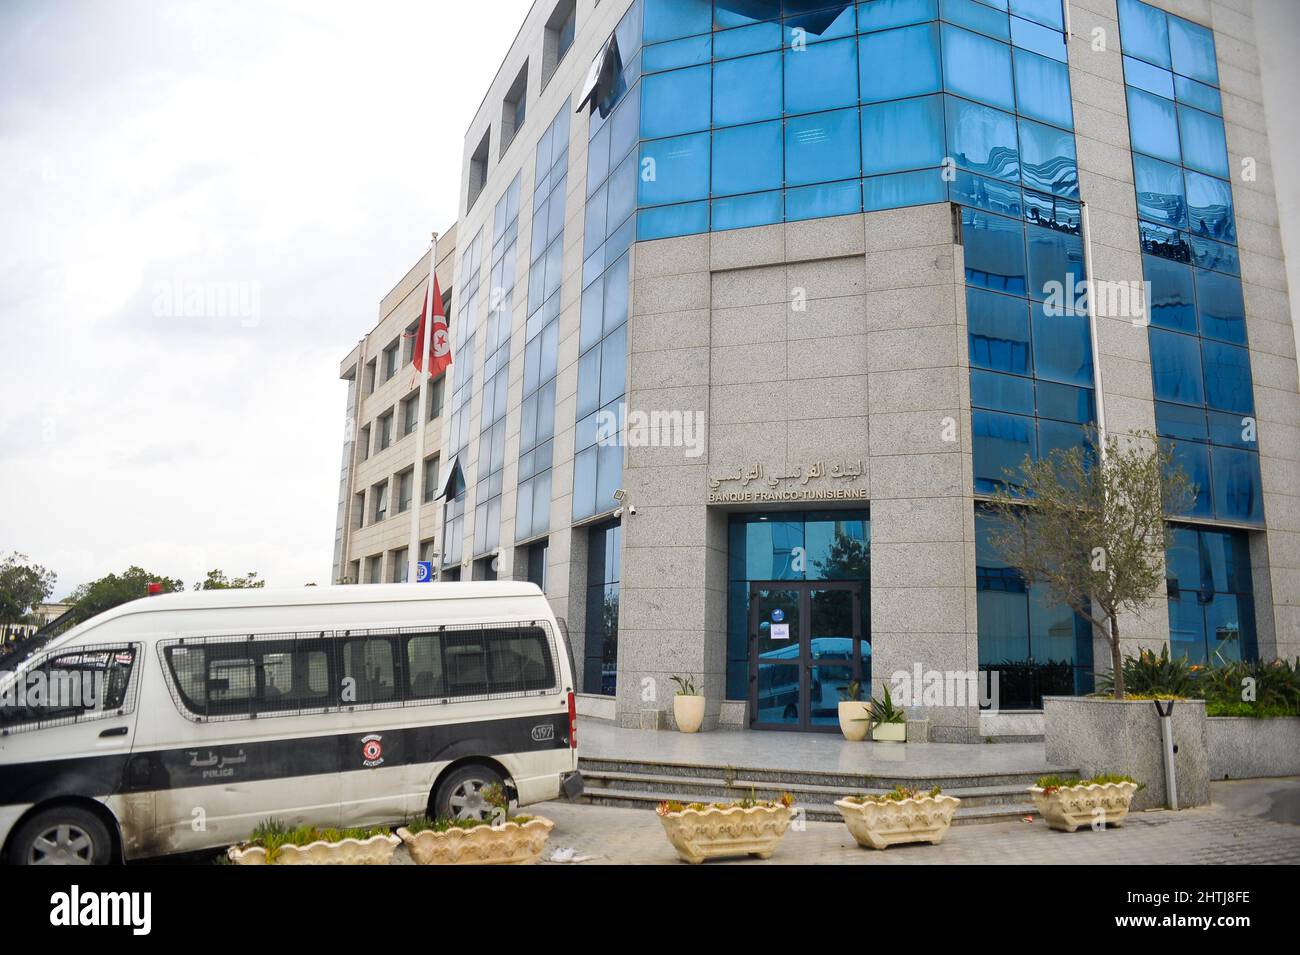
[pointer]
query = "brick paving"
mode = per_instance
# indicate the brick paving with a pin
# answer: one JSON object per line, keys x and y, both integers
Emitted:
{"x": 1223, "y": 832}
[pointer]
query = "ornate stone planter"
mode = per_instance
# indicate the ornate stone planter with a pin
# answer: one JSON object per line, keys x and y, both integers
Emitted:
{"x": 853, "y": 720}
{"x": 688, "y": 711}
{"x": 510, "y": 843}
{"x": 377, "y": 850}
{"x": 714, "y": 831}
{"x": 885, "y": 823}
{"x": 1066, "y": 808}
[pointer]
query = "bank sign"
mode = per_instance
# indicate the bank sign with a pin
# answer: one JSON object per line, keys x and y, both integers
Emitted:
{"x": 813, "y": 481}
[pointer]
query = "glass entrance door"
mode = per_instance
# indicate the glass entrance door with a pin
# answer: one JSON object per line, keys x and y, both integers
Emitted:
{"x": 805, "y": 645}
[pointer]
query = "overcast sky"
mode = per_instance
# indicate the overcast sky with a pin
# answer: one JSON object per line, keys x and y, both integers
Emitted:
{"x": 279, "y": 163}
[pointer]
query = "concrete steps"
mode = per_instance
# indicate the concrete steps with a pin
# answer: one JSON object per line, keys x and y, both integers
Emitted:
{"x": 642, "y": 784}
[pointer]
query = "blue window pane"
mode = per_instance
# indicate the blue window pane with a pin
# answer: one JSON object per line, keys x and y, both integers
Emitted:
{"x": 1040, "y": 39}
{"x": 1060, "y": 436}
{"x": 898, "y": 63}
{"x": 1220, "y": 307}
{"x": 1176, "y": 367}
{"x": 753, "y": 39}
{"x": 1047, "y": 12}
{"x": 1144, "y": 31}
{"x": 1192, "y": 51}
{"x": 614, "y": 307}
{"x": 977, "y": 67}
{"x": 1043, "y": 89}
{"x": 1227, "y": 378}
{"x": 902, "y": 189}
{"x": 1001, "y": 442}
{"x": 822, "y": 147}
{"x": 1053, "y": 212}
{"x": 1199, "y": 95}
{"x": 1187, "y": 629}
{"x": 1230, "y": 628}
{"x": 623, "y": 191}
{"x": 1144, "y": 76}
{"x": 1062, "y": 346}
{"x": 817, "y": 202}
{"x": 1055, "y": 264}
{"x": 994, "y": 251}
{"x": 976, "y": 16}
{"x": 983, "y": 139}
{"x": 1209, "y": 205}
{"x": 692, "y": 51}
{"x": 609, "y": 474}
{"x": 613, "y": 365}
{"x": 747, "y": 89}
{"x": 1165, "y": 242}
{"x": 663, "y": 222}
{"x": 1153, "y": 125}
{"x": 747, "y": 159}
{"x": 972, "y": 190}
{"x": 834, "y": 20}
{"x": 674, "y": 170}
{"x": 1194, "y": 459}
{"x": 1001, "y": 392}
{"x": 584, "y": 484}
{"x": 676, "y": 102}
{"x": 736, "y": 13}
{"x": 670, "y": 19}
{"x": 1204, "y": 146}
{"x": 1226, "y": 561}
{"x": 742, "y": 212}
{"x": 1047, "y": 159}
{"x": 1160, "y": 194}
{"x": 1237, "y": 494}
{"x": 1208, "y": 254}
{"x": 905, "y": 134}
{"x": 821, "y": 76}
{"x": 1232, "y": 430}
{"x": 882, "y": 14}
{"x": 1065, "y": 403}
{"x": 998, "y": 328}
{"x": 1172, "y": 302}
{"x": 1179, "y": 421}
{"x": 588, "y": 382}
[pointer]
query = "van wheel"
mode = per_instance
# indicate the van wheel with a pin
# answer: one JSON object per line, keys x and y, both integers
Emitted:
{"x": 461, "y": 794}
{"x": 64, "y": 835}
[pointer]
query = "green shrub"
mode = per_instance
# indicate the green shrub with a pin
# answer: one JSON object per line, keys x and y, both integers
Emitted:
{"x": 1052, "y": 783}
{"x": 1150, "y": 675}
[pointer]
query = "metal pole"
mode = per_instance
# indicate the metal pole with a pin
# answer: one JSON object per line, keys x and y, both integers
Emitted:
{"x": 417, "y": 482}
{"x": 1167, "y": 733}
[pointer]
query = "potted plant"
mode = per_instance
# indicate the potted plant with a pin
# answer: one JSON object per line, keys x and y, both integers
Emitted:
{"x": 888, "y": 722}
{"x": 274, "y": 843}
{"x": 502, "y": 840}
{"x": 1067, "y": 804}
{"x": 854, "y": 721}
{"x": 688, "y": 705}
{"x": 700, "y": 831}
{"x": 882, "y": 820}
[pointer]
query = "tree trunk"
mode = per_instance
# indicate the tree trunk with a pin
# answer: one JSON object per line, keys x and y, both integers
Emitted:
{"x": 1116, "y": 658}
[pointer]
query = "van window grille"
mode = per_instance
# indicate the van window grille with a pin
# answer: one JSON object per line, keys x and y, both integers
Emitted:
{"x": 255, "y": 676}
{"x": 91, "y": 682}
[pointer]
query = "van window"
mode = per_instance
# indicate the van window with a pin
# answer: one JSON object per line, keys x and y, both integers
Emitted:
{"x": 369, "y": 663}
{"x": 82, "y": 684}
{"x": 225, "y": 677}
{"x": 424, "y": 668}
{"x": 479, "y": 662}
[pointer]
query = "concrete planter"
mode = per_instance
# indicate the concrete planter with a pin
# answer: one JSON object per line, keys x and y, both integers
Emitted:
{"x": 511, "y": 843}
{"x": 1093, "y": 736}
{"x": 699, "y": 834}
{"x": 853, "y": 720}
{"x": 377, "y": 850}
{"x": 1069, "y": 807}
{"x": 889, "y": 732}
{"x": 879, "y": 825}
{"x": 688, "y": 711}
{"x": 1241, "y": 747}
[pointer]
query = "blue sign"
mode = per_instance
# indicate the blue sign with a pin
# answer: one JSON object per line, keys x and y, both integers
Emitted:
{"x": 778, "y": 615}
{"x": 423, "y": 571}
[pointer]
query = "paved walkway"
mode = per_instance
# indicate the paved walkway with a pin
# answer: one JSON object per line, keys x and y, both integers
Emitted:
{"x": 1245, "y": 825}
{"x": 823, "y": 752}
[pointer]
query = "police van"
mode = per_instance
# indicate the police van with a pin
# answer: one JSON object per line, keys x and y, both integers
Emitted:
{"x": 178, "y": 722}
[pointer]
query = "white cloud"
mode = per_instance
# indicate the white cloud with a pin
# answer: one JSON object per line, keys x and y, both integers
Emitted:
{"x": 296, "y": 153}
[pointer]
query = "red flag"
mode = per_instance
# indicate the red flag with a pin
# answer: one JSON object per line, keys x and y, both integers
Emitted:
{"x": 440, "y": 346}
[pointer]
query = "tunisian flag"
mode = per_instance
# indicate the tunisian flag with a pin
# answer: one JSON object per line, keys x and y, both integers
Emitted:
{"x": 440, "y": 346}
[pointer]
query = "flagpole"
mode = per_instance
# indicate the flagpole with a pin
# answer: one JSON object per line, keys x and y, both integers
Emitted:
{"x": 417, "y": 484}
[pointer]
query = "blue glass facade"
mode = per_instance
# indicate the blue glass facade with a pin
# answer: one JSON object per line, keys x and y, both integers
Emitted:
{"x": 453, "y": 515}
{"x": 1211, "y": 602}
{"x": 1200, "y": 365}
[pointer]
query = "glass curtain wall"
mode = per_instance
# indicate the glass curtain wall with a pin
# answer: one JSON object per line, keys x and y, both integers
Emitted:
{"x": 453, "y": 517}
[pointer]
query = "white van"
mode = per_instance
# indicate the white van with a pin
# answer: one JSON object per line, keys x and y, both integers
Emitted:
{"x": 178, "y": 722}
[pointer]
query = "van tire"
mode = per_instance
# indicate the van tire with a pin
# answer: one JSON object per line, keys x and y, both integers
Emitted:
{"x": 62, "y": 835}
{"x": 460, "y": 795}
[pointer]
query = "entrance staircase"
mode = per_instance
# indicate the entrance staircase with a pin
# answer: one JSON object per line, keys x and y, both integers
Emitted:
{"x": 640, "y": 783}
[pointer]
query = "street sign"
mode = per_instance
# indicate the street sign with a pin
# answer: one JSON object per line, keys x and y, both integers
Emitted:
{"x": 423, "y": 571}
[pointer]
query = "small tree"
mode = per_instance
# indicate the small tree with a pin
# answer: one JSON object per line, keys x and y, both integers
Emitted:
{"x": 107, "y": 592}
{"x": 23, "y": 585}
{"x": 217, "y": 580}
{"x": 1091, "y": 527}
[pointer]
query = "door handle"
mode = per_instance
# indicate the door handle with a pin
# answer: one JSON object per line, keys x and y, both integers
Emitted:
{"x": 115, "y": 731}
